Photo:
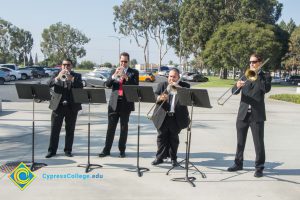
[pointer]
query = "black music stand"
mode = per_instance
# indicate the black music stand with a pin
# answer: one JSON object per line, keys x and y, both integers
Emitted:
{"x": 89, "y": 95}
{"x": 34, "y": 92}
{"x": 135, "y": 93}
{"x": 198, "y": 98}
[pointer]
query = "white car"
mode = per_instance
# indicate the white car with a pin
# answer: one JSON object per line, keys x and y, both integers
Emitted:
{"x": 14, "y": 74}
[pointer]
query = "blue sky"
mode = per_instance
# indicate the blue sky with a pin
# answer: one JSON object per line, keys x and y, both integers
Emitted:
{"x": 94, "y": 18}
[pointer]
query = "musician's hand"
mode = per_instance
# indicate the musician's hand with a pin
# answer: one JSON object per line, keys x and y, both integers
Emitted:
{"x": 61, "y": 73}
{"x": 163, "y": 97}
{"x": 118, "y": 71}
{"x": 240, "y": 84}
{"x": 125, "y": 77}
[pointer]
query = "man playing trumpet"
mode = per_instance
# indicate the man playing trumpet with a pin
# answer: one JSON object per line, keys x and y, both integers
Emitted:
{"x": 119, "y": 107}
{"x": 169, "y": 118}
{"x": 252, "y": 114}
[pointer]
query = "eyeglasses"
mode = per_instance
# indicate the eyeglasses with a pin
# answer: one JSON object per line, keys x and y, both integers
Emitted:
{"x": 254, "y": 61}
{"x": 124, "y": 61}
{"x": 67, "y": 65}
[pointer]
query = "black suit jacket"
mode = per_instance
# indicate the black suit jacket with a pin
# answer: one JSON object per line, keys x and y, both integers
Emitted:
{"x": 253, "y": 93}
{"x": 133, "y": 79}
{"x": 59, "y": 89}
{"x": 181, "y": 112}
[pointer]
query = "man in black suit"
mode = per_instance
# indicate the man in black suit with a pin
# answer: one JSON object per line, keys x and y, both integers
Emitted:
{"x": 119, "y": 107}
{"x": 252, "y": 114}
{"x": 63, "y": 107}
{"x": 170, "y": 118}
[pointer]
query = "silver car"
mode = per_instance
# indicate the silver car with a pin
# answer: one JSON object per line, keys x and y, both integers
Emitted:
{"x": 95, "y": 79}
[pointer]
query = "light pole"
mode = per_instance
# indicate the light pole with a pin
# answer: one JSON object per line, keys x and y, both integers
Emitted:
{"x": 119, "y": 38}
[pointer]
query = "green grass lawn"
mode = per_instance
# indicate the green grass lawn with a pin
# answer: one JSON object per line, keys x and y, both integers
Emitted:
{"x": 294, "y": 98}
{"x": 217, "y": 82}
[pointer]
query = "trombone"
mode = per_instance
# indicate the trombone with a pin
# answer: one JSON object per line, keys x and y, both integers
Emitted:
{"x": 171, "y": 89}
{"x": 250, "y": 75}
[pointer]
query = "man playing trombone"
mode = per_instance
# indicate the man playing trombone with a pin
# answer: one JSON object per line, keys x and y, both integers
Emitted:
{"x": 169, "y": 117}
{"x": 252, "y": 114}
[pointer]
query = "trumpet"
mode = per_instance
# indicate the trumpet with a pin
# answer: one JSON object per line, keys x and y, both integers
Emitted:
{"x": 170, "y": 89}
{"x": 250, "y": 75}
{"x": 120, "y": 73}
{"x": 64, "y": 77}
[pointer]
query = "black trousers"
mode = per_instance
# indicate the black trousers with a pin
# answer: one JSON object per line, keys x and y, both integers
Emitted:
{"x": 57, "y": 117}
{"x": 113, "y": 119}
{"x": 257, "y": 129}
{"x": 168, "y": 139}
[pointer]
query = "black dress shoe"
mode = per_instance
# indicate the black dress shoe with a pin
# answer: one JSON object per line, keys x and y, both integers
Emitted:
{"x": 235, "y": 168}
{"x": 122, "y": 155}
{"x": 174, "y": 163}
{"x": 258, "y": 173}
{"x": 103, "y": 154}
{"x": 157, "y": 162}
{"x": 50, "y": 154}
{"x": 68, "y": 154}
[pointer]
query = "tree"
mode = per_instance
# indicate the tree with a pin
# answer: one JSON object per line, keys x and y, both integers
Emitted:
{"x": 289, "y": 27}
{"x": 133, "y": 62}
{"x": 21, "y": 44}
{"x": 30, "y": 63}
{"x": 293, "y": 57}
{"x": 86, "y": 64}
{"x": 4, "y": 41}
{"x": 15, "y": 43}
{"x": 61, "y": 41}
{"x": 199, "y": 19}
{"x": 130, "y": 18}
{"x": 36, "y": 61}
{"x": 232, "y": 45}
{"x": 107, "y": 64}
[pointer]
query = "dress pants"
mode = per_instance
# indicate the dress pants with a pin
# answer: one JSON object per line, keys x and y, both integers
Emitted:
{"x": 257, "y": 129}
{"x": 113, "y": 119}
{"x": 168, "y": 139}
{"x": 57, "y": 117}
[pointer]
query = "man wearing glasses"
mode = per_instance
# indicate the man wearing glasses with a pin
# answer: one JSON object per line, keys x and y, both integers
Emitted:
{"x": 63, "y": 107}
{"x": 119, "y": 107}
{"x": 252, "y": 114}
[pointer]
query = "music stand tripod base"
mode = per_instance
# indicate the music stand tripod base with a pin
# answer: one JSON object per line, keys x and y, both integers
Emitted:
{"x": 139, "y": 170}
{"x": 35, "y": 166}
{"x": 89, "y": 167}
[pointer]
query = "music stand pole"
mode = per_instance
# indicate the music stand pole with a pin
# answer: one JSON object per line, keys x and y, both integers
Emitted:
{"x": 88, "y": 167}
{"x": 188, "y": 178}
{"x": 139, "y": 94}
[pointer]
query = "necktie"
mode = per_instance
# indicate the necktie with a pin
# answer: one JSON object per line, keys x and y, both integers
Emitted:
{"x": 120, "y": 91}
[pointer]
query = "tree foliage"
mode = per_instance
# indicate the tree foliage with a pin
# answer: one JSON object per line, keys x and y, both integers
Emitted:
{"x": 15, "y": 43}
{"x": 145, "y": 19}
{"x": 61, "y": 41}
{"x": 199, "y": 19}
{"x": 86, "y": 64}
{"x": 233, "y": 43}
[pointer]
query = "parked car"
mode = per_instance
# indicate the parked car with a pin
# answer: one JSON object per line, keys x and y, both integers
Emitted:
{"x": 192, "y": 76}
{"x": 11, "y": 66}
{"x": 276, "y": 80}
{"x": 25, "y": 73}
{"x": 163, "y": 73}
{"x": 14, "y": 75}
{"x": 37, "y": 72}
{"x": 95, "y": 79}
{"x": 4, "y": 77}
{"x": 148, "y": 77}
{"x": 50, "y": 71}
{"x": 295, "y": 79}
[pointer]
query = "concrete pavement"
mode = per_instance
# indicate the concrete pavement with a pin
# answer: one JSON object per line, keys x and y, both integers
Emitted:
{"x": 212, "y": 151}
